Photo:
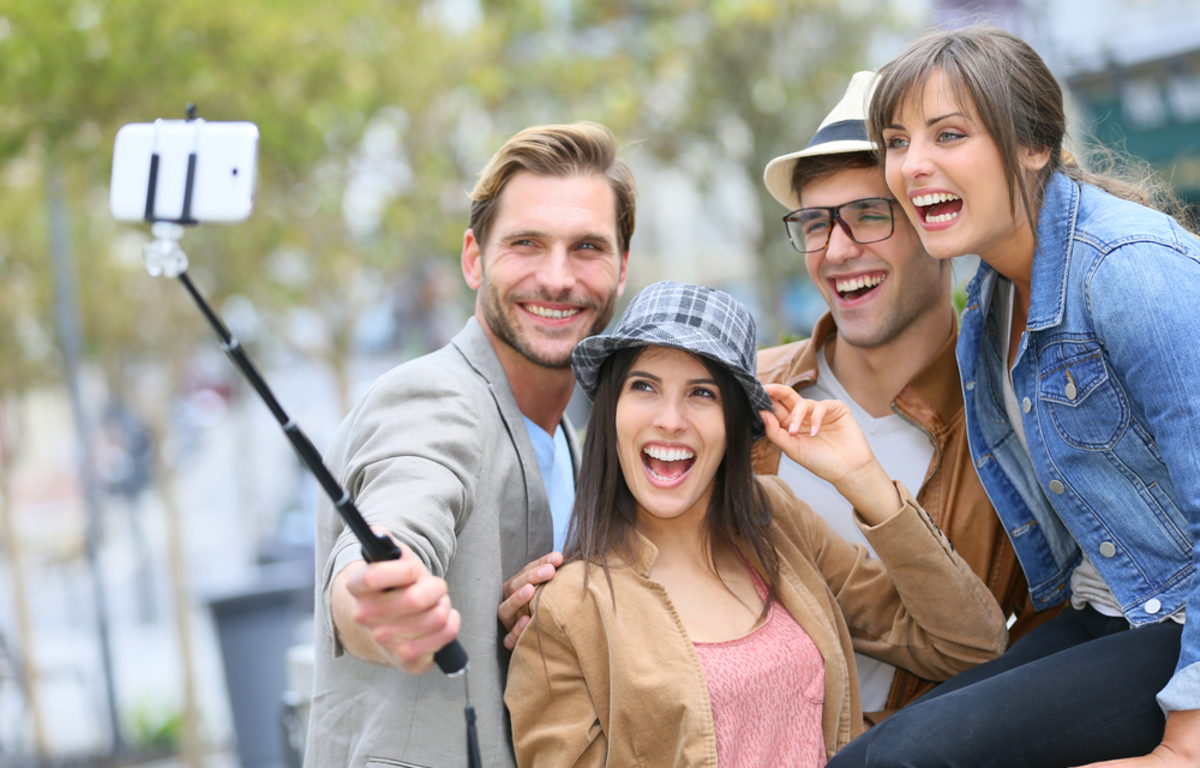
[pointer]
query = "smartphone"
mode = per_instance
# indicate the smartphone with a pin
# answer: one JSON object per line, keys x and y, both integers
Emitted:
{"x": 225, "y": 154}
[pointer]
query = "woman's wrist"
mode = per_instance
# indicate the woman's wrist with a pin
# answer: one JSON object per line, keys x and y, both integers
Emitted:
{"x": 873, "y": 494}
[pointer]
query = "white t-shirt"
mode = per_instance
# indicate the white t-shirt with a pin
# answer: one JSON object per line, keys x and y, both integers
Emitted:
{"x": 905, "y": 451}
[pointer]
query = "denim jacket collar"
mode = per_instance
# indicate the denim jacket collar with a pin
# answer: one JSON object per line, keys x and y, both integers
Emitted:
{"x": 1052, "y": 257}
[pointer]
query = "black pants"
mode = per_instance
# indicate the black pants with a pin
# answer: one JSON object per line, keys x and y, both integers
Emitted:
{"x": 1078, "y": 689}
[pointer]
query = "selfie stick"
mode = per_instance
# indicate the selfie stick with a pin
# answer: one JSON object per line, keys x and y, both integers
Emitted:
{"x": 164, "y": 256}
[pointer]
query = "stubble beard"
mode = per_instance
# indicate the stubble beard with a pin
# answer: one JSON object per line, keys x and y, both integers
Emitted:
{"x": 889, "y": 327}
{"x": 507, "y": 331}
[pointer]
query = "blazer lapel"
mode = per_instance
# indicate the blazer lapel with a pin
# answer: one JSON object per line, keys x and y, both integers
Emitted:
{"x": 525, "y": 533}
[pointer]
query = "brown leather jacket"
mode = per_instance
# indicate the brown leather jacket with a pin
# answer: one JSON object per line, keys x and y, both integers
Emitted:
{"x": 951, "y": 492}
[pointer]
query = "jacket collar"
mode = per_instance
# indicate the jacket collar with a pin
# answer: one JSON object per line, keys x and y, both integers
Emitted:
{"x": 477, "y": 348}
{"x": 782, "y": 365}
{"x": 1052, "y": 253}
{"x": 937, "y": 383}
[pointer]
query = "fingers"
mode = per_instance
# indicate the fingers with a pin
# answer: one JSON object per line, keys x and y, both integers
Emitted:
{"x": 387, "y": 575}
{"x": 415, "y": 655}
{"x": 796, "y": 412}
{"x": 537, "y": 572}
{"x": 514, "y": 634}
{"x": 405, "y": 609}
{"x": 507, "y": 613}
{"x": 519, "y": 590}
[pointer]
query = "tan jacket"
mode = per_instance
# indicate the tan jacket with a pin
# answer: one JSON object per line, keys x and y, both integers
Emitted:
{"x": 596, "y": 681}
{"x": 951, "y": 492}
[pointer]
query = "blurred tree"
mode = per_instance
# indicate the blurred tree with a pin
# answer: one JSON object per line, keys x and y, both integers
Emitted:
{"x": 73, "y": 71}
{"x": 711, "y": 88}
{"x": 375, "y": 117}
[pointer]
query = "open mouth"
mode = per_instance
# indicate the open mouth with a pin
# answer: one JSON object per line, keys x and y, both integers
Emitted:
{"x": 937, "y": 207}
{"x": 851, "y": 288}
{"x": 551, "y": 313}
{"x": 667, "y": 465}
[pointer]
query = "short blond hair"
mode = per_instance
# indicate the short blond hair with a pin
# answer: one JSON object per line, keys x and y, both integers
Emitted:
{"x": 578, "y": 149}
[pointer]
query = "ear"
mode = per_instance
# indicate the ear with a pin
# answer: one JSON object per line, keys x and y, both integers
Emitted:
{"x": 624, "y": 273}
{"x": 1033, "y": 159}
{"x": 472, "y": 260}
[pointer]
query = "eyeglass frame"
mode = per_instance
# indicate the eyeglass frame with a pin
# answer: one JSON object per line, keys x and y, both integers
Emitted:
{"x": 836, "y": 217}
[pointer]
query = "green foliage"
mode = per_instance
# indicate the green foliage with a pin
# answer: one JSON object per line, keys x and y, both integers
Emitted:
{"x": 959, "y": 298}
{"x": 154, "y": 730}
{"x": 692, "y": 82}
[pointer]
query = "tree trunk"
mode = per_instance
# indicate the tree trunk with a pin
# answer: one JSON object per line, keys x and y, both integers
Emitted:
{"x": 12, "y": 544}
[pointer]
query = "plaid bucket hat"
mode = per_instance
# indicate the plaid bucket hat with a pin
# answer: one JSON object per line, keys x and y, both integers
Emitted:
{"x": 703, "y": 321}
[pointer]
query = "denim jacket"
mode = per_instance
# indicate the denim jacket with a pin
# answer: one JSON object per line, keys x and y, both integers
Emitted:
{"x": 1106, "y": 376}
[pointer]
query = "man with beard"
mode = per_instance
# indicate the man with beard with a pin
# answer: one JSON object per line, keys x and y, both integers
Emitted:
{"x": 466, "y": 458}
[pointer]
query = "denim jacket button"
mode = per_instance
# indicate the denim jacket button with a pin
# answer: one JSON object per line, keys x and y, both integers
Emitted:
{"x": 1153, "y": 605}
{"x": 1108, "y": 549}
{"x": 1071, "y": 391}
{"x": 1026, "y": 405}
{"x": 1057, "y": 487}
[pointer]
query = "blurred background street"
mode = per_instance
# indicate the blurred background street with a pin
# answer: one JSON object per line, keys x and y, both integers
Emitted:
{"x": 155, "y": 527}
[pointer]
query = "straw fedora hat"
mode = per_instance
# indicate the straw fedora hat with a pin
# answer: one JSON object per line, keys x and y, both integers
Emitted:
{"x": 843, "y": 130}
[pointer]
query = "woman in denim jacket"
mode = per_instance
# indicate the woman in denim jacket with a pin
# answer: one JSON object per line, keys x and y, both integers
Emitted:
{"x": 1079, "y": 367}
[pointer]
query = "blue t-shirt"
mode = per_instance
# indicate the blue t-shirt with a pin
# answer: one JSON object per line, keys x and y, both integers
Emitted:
{"x": 558, "y": 475}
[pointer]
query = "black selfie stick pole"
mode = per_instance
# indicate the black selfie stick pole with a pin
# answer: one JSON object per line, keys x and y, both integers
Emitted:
{"x": 451, "y": 659}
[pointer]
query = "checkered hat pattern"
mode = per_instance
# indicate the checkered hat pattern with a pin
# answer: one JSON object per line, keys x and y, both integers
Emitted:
{"x": 692, "y": 318}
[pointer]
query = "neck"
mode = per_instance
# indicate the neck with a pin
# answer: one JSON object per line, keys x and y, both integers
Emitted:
{"x": 679, "y": 540}
{"x": 1015, "y": 262}
{"x": 541, "y": 393}
{"x": 874, "y": 376}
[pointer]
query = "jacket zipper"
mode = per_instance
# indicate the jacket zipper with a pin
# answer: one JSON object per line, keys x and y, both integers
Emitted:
{"x": 937, "y": 448}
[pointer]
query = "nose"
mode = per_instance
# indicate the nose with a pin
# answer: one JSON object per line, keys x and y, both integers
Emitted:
{"x": 916, "y": 162}
{"x": 556, "y": 273}
{"x": 841, "y": 247}
{"x": 670, "y": 418}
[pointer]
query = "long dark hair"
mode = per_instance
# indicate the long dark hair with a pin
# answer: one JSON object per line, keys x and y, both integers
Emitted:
{"x": 738, "y": 517}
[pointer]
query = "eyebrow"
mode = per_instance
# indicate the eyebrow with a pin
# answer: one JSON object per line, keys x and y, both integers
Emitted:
{"x": 947, "y": 116}
{"x": 652, "y": 377}
{"x": 932, "y": 120}
{"x": 591, "y": 237}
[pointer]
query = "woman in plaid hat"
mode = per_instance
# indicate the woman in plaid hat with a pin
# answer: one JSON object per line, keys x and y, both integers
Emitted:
{"x": 704, "y": 615}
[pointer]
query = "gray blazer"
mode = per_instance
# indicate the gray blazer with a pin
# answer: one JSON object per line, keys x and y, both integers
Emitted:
{"x": 437, "y": 452}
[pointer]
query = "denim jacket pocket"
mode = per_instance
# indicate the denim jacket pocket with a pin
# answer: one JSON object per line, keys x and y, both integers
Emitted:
{"x": 1084, "y": 401}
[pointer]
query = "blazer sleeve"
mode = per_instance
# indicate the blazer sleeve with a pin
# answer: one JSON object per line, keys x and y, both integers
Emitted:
{"x": 918, "y": 605}
{"x": 410, "y": 459}
{"x": 554, "y": 719}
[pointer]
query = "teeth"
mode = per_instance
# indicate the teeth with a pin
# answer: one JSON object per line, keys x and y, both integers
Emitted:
{"x": 933, "y": 197}
{"x": 940, "y": 219}
{"x": 668, "y": 454}
{"x": 858, "y": 283}
{"x": 553, "y": 314}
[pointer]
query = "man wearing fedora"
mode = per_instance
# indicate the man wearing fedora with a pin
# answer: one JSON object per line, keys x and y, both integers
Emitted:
{"x": 886, "y": 349}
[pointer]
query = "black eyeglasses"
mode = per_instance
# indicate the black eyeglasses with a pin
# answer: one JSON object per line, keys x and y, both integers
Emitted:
{"x": 869, "y": 220}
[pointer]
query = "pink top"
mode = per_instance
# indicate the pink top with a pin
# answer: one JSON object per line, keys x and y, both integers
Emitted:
{"x": 766, "y": 690}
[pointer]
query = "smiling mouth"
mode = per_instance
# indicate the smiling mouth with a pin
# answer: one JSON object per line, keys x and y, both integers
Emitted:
{"x": 550, "y": 313}
{"x": 849, "y": 289}
{"x": 938, "y": 207}
{"x": 667, "y": 465}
